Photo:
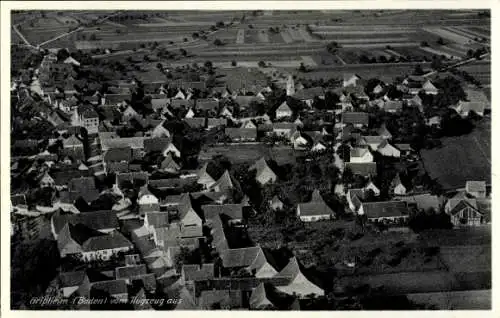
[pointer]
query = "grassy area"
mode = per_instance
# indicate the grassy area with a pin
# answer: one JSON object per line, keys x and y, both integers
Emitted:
{"x": 461, "y": 158}
{"x": 470, "y": 299}
{"x": 468, "y": 258}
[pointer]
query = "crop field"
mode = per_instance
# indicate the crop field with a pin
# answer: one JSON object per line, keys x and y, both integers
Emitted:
{"x": 482, "y": 72}
{"x": 461, "y": 158}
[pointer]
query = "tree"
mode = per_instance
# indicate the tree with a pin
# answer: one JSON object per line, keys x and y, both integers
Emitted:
{"x": 183, "y": 52}
{"x": 93, "y": 37}
{"x": 208, "y": 64}
{"x": 262, "y": 64}
{"x": 424, "y": 44}
{"x": 418, "y": 70}
{"x": 302, "y": 68}
{"x": 440, "y": 41}
{"x": 436, "y": 63}
{"x": 233, "y": 63}
{"x": 218, "y": 42}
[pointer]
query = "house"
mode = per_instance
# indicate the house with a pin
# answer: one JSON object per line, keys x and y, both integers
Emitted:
{"x": 182, "y": 103}
{"x": 263, "y": 173}
{"x": 298, "y": 141}
{"x": 187, "y": 216}
{"x": 241, "y": 134}
{"x": 276, "y": 204}
{"x": 224, "y": 183}
{"x": 207, "y": 105}
{"x": 195, "y": 122}
{"x": 232, "y": 211}
{"x": 147, "y": 201}
{"x": 314, "y": 210}
{"x": 101, "y": 221}
{"x": 128, "y": 273}
{"x": 252, "y": 259}
{"x": 423, "y": 201}
{"x": 195, "y": 272}
{"x": 351, "y": 80}
{"x": 83, "y": 187}
{"x": 156, "y": 220}
{"x": 169, "y": 165}
{"x": 393, "y": 106}
{"x": 290, "y": 86}
{"x": 117, "y": 289}
{"x": 129, "y": 113}
{"x": 70, "y": 282}
{"x": 355, "y": 197}
{"x": 365, "y": 169}
{"x": 216, "y": 122}
{"x": 85, "y": 116}
{"x": 299, "y": 284}
{"x": 379, "y": 88}
{"x": 371, "y": 186}
{"x": 224, "y": 299}
{"x": 429, "y": 88}
{"x": 463, "y": 108}
{"x": 190, "y": 114}
{"x": 283, "y": 111}
{"x": 433, "y": 121}
{"x": 357, "y": 119}
{"x": 260, "y": 300}
{"x": 385, "y": 211}
{"x": 405, "y": 149}
{"x": 307, "y": 95}
{"x": 204, "y": 178}
{"x": 160, "y": 131}
{"x": 360, "y": 155}
{"x": 248, "y": 124}
{"x": 476, "y": 189}
{"x": 465, "y": 212}
{"x": 397, "y": 186}
{"x": 46, "y": 181}
{"x": 72, "y": 146}
{"x": 283, "y": 129}
{"x": 384, "y": 132}
{"x": 226, "y": 112}
{"x": 388, "y": 150}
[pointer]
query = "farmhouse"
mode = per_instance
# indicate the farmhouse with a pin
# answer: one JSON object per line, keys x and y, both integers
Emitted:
{"x": 476, "y": 189}
{"x": 283, "y": 111}
{"x": 315, "y": 210}
{"x": 386, "y": 211}
{"x": 360, "y": 155}
{"x": 357, "y": 119}
{"x": 264, "y": 174}
{"x": 241, "y": 134}
{"x": 299, "y": 284}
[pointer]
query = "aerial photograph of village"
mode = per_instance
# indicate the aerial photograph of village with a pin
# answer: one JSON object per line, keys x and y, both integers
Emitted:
{"x": 250, "y": 160}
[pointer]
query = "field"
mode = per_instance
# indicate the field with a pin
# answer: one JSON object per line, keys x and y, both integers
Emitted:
{"x": 249, "y": 153}
{"x": 457, "y": 300}
{"x": 461, "y": 158}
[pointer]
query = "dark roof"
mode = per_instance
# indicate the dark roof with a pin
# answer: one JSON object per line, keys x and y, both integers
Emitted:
{"x": 182, "y": 103}
{"x": 157, "y": 219}
{"x": 309, "y": 93}
{"x": 118, "y": 154}
{"x": 234, "y": 211}
{"x": 355, "y": 118}
{"x": 385, "y": 209}
{"x": 105, "y": 242}
{"x": 241, "y": 133}
{"x": 95, "y": 220}
{"x": 195, "y": 122}
{"x": 156, "y": 144}
{"x": 225, "y": 298}
{"x": 315, "y": 209}
{"x": 111, "y": 287}
{"x": 207, "y": 104}
{"x": 130, "y": 271}
{"x": 171, "y": 183}
{"x": 212, "y": 122}
{"x": 194, "y": 272}
{"x": 84, "y": 187}
{"x": 240, "y": 257}
{"x": 70, "y": 279}
{"x": 87, "y": 111}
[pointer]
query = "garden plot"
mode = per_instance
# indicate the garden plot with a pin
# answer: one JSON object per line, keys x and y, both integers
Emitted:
{"x": 240, "y": 36}
{"x": 295, "y": 34}
{"x": 473, "y": 33}
{"x": 482, "y": 31}
{"x": 287, "y": 38}
{"x": 468, "y": 258}
{"x": 446, "y": 34}
{"x": 468, "y": 35}
{"x": 306, "y": 35}
{"x": 308, "y": 61}
{"x": 373, "y": 40}
{"x": 442, "y": 51}
{"x": 66, "y": 20}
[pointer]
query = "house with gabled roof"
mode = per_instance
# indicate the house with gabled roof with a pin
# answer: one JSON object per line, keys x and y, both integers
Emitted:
{"x": 232, "y": 211}
{"x": 351, "y": 80}
{"x": 204, "y": 177}
{"x": 307, "y": 95}
{"x": 70, "y": 282}
{"x": 284, "y": 129}
{"x": 160, "y": 131}
{"x": 298, "y": 141}
{"x": 156, "y": 219}
{"x": 241, "y": 134}
{"x": 429, "y": 88}
{"x": 365, "y": 169}
{"x": 397, "y": 186}
{"x": 388, "y": 150}
{"x": 315, "y": 210}
{"x": 128, "y": 273}
{"x": 216, "y": 122}
{"x": 299, "y": 284}
{"x": 385, "y": 211}
{"x": 357, "y": 119}
{"x": 195, "y": 272}
{"x": 224, "y": 183}
{"x": 84, "y": 187}
{"x": 264, "y": 174}
{"x": 248, "y": 124}
{"x": 360, "y": 155}
{"x": 476, "y": 189}
{"x": 276, "y": 204}
{"x": 196, "y": 122}
{"x": 116, "y": 289}
{"x": 283, "y": 111}
{"x": 169, "y": 164}
{"x": 147, "y": 201}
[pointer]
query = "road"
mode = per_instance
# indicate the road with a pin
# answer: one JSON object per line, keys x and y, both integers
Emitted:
{"x": 21, "y": 36}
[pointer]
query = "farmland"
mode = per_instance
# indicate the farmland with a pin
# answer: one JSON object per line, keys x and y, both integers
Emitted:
{"x": 461, "y": 158}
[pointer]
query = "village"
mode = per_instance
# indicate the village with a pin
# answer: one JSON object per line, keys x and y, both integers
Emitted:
{"x": 248, "y": 188}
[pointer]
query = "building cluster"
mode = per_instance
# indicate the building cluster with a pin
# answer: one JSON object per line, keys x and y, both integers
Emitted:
{"x": 142, "y": 240}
